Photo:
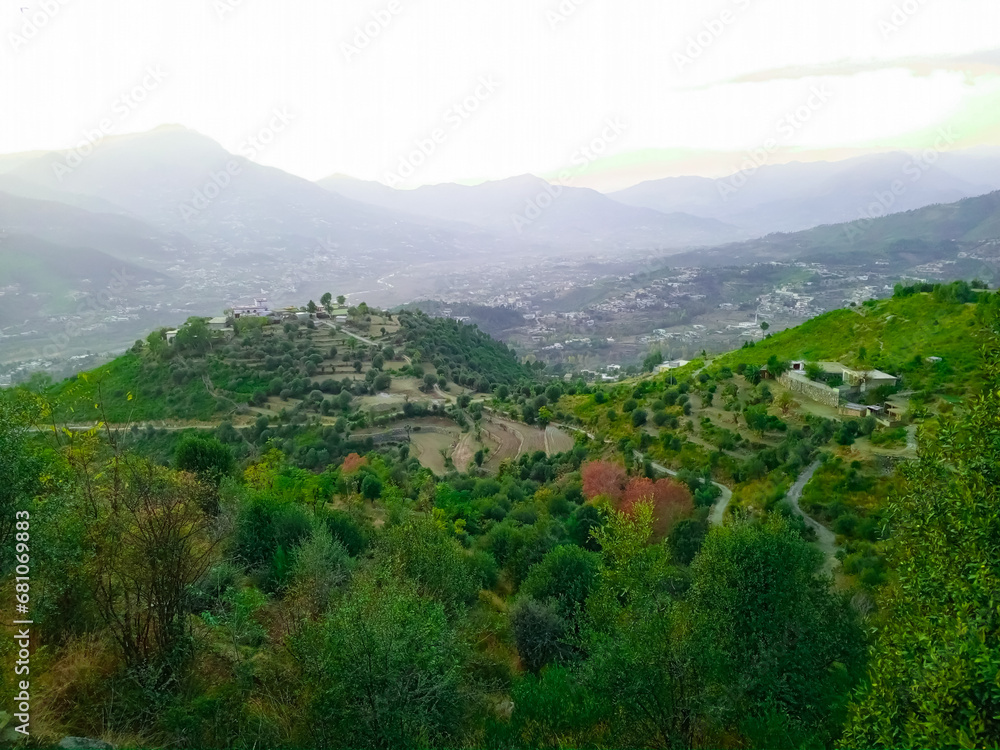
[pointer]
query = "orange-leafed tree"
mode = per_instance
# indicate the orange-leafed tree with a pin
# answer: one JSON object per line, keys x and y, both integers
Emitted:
{"x": 352, "y": 463}
{"x": 603, "y": 478}
{"x": 671, "y": 502}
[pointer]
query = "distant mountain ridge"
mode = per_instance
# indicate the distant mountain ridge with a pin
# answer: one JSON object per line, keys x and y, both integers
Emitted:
{"x": 932, "y": 233}
{"x": 796, "y": 196}
{"x": 537, "y": 211}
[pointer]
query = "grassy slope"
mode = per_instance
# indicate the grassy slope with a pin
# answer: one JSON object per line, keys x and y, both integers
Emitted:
{"x": 154, "y": 395}
{"x": 893, "y": 332}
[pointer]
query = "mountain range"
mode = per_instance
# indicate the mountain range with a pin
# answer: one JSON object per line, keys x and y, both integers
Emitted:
{"x": 209, "y": 227}
{"x": 796, "y": 196}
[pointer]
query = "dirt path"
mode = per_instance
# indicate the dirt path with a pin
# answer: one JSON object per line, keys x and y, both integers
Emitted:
{"x": 718, "y": 512}
{"x": 825, "y": 539}
{"x": 344, "y": 331}
{"x": 464, "y": 451}
{"x": 557, "y": 441}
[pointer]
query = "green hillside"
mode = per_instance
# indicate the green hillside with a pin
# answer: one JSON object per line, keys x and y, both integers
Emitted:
{"x": 294, "y": 573}
{"x": 935, "y": 232}
{"x": 895, "y": 335}
{"x": 206, "y": 374}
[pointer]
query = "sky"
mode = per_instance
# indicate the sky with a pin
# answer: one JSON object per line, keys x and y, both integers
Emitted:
{"x": 604, "y": 93}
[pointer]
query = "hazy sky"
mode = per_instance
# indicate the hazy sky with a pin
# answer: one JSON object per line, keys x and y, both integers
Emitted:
{"x": 615, "y": 91}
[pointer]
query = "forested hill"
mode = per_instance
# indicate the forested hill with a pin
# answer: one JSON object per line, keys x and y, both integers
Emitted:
{"x": 469, "y": 356}
{"x": 203, "y": 374}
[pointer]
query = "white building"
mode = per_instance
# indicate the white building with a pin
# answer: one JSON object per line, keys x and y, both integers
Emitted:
{"x": 259, "y": 309}
{"x": 674, "y": 364}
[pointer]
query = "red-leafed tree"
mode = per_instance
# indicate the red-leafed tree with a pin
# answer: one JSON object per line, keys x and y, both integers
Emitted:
{"x": 603, "y": 478}
{"x": 671, "y": 502}
{"x": 352, "y": 463}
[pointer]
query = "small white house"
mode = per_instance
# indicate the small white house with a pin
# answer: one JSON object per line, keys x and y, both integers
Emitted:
{"x": 674, "y": 364}
{"x": 259, "y": 309}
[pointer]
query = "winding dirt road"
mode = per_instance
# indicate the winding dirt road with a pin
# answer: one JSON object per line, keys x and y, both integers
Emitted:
{"x": 826, "y": 540}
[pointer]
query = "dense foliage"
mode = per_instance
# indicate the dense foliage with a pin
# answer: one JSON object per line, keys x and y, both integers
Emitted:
{"x": 469, "y": 356}
{"x": 290, "y": 582}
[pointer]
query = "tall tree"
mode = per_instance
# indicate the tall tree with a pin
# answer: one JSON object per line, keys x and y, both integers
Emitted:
{"x": 933, "y": 680}
{"x": 383, "y": 671}
{"x": 149, "y": 540}
{"x": 776, "y": 648}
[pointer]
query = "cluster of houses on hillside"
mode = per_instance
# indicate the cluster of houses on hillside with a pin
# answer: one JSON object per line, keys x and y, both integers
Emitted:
{"x": 853, "y": 383}
{"x": 260, "y": 308}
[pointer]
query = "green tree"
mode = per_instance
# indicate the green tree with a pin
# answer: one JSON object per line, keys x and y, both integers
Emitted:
{"x": 21, "y": 464}
{"x": 423, "y": 552}
{"x": 193, "y": 337}
{"x": 933, "y": 676}
{"x": 371, "y": 487}
{"x": 777, "y": 367}
{"x": 814, "y": 371}
{"x": 157, "y": 343}
{"x": 539, "y": 632}
{"x": 341, "y": 299}
{"x": 327, "y": 301}
{"x": 148, "y": 541}
{"x": 776, "y": 647}
{"x": 651, "y": 361}
{"x": 206, "y": 457}
{"x": 383, "y": 671}
{"x": 565, "y": 576}
{"x": 686, "y": 539}
{"x": 322, "y": 565}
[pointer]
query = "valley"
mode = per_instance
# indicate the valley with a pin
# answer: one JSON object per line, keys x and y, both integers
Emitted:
{"x": 131, "y": 262}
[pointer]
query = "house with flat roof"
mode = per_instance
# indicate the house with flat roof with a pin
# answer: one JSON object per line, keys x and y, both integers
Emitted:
{"x": 259, "y": 309}
{"x": 866, "y": 380}
{"x": 673, "y": 364}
